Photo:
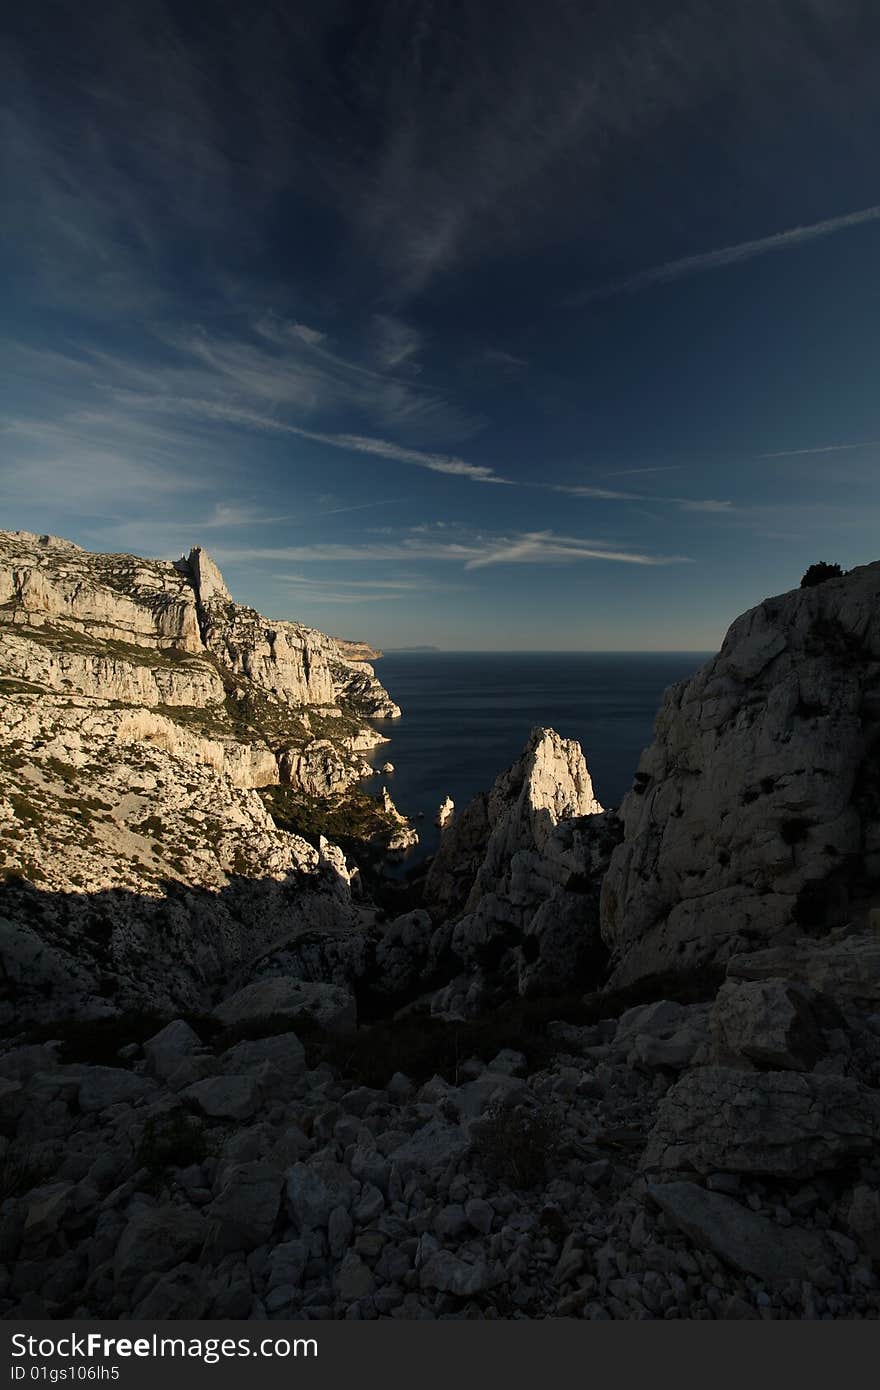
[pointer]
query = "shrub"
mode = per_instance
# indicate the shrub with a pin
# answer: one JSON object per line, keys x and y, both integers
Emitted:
{"x": 171, "y": 1141}
{"x": 21, "y": 1171}
{"x": 514, "y": 1144}
{"x": 795, "y": 831}
{"x": 818, "y": 573}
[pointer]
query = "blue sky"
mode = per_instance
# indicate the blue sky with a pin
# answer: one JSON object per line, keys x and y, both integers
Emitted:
{"x": 556, "y": 333}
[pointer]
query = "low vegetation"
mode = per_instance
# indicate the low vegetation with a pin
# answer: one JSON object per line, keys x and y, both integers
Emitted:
{"x": 819, "y": 573}
{"x": 350, "y": 820}
{"x": 516, "y": 1144}
{"x": 176, "y": 1140}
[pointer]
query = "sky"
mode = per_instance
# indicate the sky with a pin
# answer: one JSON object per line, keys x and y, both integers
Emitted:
{"x": 527, "y": 327}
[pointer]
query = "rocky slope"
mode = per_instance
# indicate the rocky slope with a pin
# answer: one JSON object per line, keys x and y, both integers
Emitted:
{"x": 511, "y": 1101}
{"x": 614, "y": 1169}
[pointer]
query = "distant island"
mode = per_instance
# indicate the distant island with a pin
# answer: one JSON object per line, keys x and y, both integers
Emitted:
{"x": 397, "y": 650}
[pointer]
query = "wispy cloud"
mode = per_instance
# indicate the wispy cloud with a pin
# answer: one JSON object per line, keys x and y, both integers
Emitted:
{"x": 543, "y": 547}
{"x": 605, "y": 494}
{"x": 407, "y": 585}
{"x": 308, "y": 589}
{"x": 656, "y": 468}
{"x": 602, "y": 494}
{"x": 821, "y": 449}
{"x": 478, "y": 552}
{"x": 507, "y": 363}
{"x": 219, "y": 412}
{"x": 361, "y": 506}
{"x": 396, "y": 344}
{"x": 465, "y": 152}
{"x": 294, "y": 366}
{"x": 704, "y": 504}
{"x": 726, "y": 255}
{"x": 436, "y": 463}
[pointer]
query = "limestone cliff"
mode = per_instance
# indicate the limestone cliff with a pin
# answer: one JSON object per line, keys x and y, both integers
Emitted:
{"x": 755, "y": 814}
{"x": 520, "y": 871}
{"x": 169, "y": 637}
{"x": 140, "y": 708}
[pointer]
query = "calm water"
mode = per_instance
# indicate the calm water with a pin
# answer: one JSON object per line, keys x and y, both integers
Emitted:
{"x": 467, "y": 715}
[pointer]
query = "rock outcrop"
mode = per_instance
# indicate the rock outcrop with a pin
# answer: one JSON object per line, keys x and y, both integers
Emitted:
{"x": 168, "y": 637}
{"x": 521, "y": 868}
{"x": 755, "y": 814}
{"x": 139, "y": 709}
{"x": 778, "y": 1124}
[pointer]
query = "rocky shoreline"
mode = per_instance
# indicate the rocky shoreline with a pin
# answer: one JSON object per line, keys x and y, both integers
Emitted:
{"x": 591, "y": 1063}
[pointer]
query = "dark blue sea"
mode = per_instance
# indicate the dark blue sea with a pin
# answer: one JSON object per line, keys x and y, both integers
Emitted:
{"x": 467, "y": 715}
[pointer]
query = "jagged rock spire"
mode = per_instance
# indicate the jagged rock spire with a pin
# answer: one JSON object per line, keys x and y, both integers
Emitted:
{"x": 206, "y": 577}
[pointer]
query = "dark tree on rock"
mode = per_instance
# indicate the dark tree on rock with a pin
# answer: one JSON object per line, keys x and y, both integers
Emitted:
{"x": 818, "y": 573}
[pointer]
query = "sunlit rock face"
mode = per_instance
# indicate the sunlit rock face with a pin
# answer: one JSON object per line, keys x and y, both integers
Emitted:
{"x": 139, "y": 709}
{"x": 520, "y": 869}
{"x": 162, "y": 635}
{"x": 755, "y": 814}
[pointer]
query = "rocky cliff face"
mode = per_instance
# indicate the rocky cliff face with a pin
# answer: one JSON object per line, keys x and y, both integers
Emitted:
{"x": 755, "y": 814}
{"x": 139, "y": 708}
{"x": 518, "y": 873}
{"x": 169, "y": 637}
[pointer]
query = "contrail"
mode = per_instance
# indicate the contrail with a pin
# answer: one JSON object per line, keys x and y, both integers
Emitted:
{"x": 822, "y": 449}
{"x": 727, "y": 255}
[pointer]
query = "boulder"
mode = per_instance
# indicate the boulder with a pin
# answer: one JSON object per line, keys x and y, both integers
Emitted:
{"x": 167, "y": 1048}
{"x": 433, "y": 1147}
{"x": 741, "y": 1238}
{"x": 102, "y": 1087}
{"x": 771, "y": 1024}
{"x": 21, "y": 1063}
{"x": 844, "y": 966}
{"x": 781, "y": 1124}
{"x": 314, "y": 1190}
{"x": 664, "y": 1035}
{"x": 283, "y": 1053}
{"x": 287, "y": 1262}
{"x": 447, "y": 1273}
{"x": 281, "y": 996}
{"x": 47, "y": 1207}
{"x": 183, "y": 1292}
{"x": 353, "y": 1279}
{"x": 155, "y": 1240}
{"x": 863, "y": 1218}
{"x": 244, "y": 1212}
{"x": 227, "y": 1097}
{"x": 13, "y": 1098}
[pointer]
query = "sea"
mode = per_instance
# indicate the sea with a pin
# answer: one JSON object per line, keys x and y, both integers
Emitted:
{"x": 467, "y": 716}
